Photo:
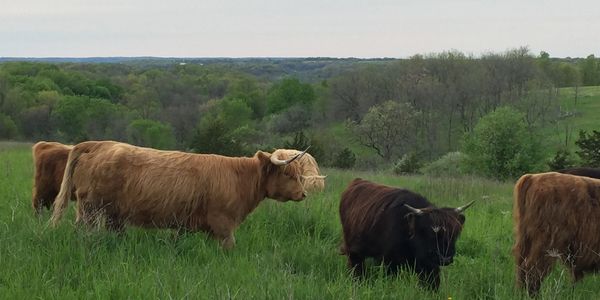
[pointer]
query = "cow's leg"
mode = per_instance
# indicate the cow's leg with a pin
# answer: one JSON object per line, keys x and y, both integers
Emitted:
{"x": 114, "y": 223}
{"x": 88, "y": 213}
{"x": 35, "y": 201}
{"x": 392, "y": 267}
{"x": 40, "y": 200}
{"x": 222, "y": 228}
{"x": 430, "y": 277}
{"x": 576, "y": 274}
{"x": 532, "y": 271}
{"x": 356, "y": 263}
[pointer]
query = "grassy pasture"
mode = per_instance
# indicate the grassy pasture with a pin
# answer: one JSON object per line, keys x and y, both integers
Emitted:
{"x": 284, "y": 250}
{"x": 581, "y": 115}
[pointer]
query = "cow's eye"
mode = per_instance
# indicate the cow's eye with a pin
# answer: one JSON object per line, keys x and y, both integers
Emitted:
{"x": 436, "y": 229}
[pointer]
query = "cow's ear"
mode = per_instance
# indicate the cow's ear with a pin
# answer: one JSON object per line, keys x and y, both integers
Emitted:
{"x": 461, "y": 219}
{"x": 264, "y": 157}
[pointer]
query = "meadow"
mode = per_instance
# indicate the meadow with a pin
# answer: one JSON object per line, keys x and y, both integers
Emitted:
{"x": 284, "y": 250}
{"x": 583, "y": 114}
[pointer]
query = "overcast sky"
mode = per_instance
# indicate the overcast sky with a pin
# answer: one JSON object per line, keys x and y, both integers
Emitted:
{"x": 282, "y": 28}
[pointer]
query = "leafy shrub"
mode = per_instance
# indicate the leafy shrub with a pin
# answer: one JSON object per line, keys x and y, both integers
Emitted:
{"x": 300, "y": 141}
{"x": 214, "y": 136}
{"x": 561, "y": 160}
{"x": 291, "y": 119}
{"x": 408, "y": 164}
{"x": 345, "y": 159}
{"x": 289, "y": 92}
{"x": 8, "y": 128}
{"x": 502, "y": 146}
{"x": 451, "y": 164}
{"x": 317, "y": 148}
{"x": 589, "y": 145}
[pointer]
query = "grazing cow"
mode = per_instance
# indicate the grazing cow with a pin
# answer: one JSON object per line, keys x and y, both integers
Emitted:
{"x": 556, "y": 218}
{"x": 399, "y": 228}
{"x": 588, "y": 172}
{"x": 311, "y": 179}
{"x": 49, "y": 160}
{"x": 126, "y": 184}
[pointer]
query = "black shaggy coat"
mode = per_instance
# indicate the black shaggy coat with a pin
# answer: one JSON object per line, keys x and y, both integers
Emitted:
{"x": 377, "y": 223}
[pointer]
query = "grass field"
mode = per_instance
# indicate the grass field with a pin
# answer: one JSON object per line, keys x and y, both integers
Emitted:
{"x": 583, "y": 115}
{"x": 284, "y": 250}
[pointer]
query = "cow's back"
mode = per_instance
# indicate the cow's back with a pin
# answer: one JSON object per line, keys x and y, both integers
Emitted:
{"x": 371, "y": 213}
{"x": 152, "y": 188}
{"x": 554, "y": 200}
{"x": 588, "y": 172}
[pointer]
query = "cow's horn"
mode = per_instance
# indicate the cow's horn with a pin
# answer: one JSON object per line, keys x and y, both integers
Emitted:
{"x": 415, "y": 210}
{"x": 461, "y": 209}
{"x": 280, "y": 162}
{"x": 314, "y": 176}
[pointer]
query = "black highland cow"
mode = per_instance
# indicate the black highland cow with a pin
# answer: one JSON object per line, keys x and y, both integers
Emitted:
{"x": 587, "y": 172}
{"x": 399, "y": 228}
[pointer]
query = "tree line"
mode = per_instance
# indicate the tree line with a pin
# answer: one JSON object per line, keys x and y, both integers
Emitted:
{"x": 371, "y": 113}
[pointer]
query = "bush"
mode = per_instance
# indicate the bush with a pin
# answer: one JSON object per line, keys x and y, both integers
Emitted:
{"x": 408, "y": 164}
{"x": 451, "y": 164}
{"x": 501, "y": 145}
{"x": 214, "y": 136}
{"x": 8, "y": 128}
{"x": 291, "y": 120}
{"x": 589, "y": 146}
{"x": 300, "y": 142}
{"x": 561, "y": 160}
{"x": 345, "y": 159}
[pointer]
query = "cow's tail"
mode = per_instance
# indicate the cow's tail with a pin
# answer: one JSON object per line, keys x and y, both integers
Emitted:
{"x": 519, "y": 197}
{"x": 66, "y": 187}
{"x": 521, "y": 245}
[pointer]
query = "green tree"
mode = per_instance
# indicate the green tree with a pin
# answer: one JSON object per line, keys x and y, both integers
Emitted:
{"x": 390, "y": 129}
{"x": 345, "y": 159}
{"x": 79, "y": 118}
{"x": 70, "y": 118}
{"x": 150, "y": 133}
{"x": 589, "y": 148}
{"x": 214, "y": 136}
{"x": 501, "y": 145}
{"x": 289, "y": 92}
{"x": 562, "y": 160}
{"x": 590, "y": 70}
{"x": 8, "y": 128}
{"x": 248, "y": 90}
{"x": 234, "y": 112}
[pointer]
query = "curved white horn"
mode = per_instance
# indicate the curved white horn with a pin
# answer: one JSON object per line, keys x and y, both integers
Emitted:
{"x": 415, "y": 210}
{"x": 280, "y": 162}
{"x": 314, "y": 176}
{"x": 461, "y": 209}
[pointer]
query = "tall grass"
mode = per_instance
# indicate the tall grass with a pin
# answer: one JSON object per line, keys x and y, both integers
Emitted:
{"x": 284, "y": 250}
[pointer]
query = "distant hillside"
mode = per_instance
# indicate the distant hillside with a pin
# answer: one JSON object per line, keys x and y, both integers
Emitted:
{"x": 310, "y": 69}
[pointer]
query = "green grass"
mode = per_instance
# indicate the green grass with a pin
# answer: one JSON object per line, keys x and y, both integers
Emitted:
{"x": 583, "y": 115}
{"x": 284, "y": 250}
